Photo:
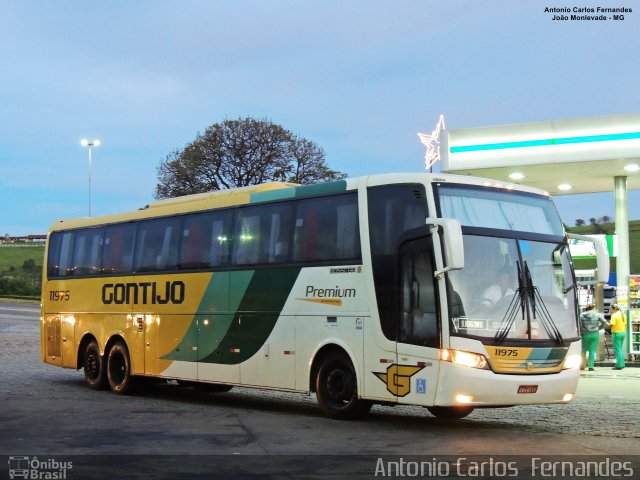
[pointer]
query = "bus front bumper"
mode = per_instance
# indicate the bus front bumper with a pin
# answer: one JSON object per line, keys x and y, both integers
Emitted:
{"x": 464, "y": 386}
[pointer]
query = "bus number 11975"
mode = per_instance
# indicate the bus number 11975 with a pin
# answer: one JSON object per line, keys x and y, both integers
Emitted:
{"x": 59, "y": 295}
{"x": 506, "y": 352}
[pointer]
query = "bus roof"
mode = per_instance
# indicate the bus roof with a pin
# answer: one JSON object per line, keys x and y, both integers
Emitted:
{"x": 276, "y": 191}
{"x": 171, "y": 206}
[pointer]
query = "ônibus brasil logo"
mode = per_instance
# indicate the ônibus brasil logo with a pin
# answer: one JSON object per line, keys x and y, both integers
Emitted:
{"x": 34, "y": 468}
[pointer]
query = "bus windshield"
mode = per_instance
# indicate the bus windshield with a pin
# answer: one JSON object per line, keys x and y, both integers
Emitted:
{"x": 499, "y": 209}
{"x": 513, "y": 288}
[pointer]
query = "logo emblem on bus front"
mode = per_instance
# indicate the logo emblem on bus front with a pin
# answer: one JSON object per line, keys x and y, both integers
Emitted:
{"x": 398, "y": 378}
{"x": 529, "y": 366}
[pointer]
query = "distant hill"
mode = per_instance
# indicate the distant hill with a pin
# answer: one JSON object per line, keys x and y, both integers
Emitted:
{"x": 15, "y": 256}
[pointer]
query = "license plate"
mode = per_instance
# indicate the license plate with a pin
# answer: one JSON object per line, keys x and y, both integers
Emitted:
{"x": 527, "y": 388}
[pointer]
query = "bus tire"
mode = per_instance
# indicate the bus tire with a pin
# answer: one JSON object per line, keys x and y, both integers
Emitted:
{"x": 337, "y": 389}
{"x": 119, "y": 370}
{"x": 450, "y": 413}
{"x": 95, "y": 372}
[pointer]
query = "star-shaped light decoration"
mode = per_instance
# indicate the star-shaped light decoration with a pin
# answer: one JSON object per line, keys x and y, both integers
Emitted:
{"x": 432, "y": 142}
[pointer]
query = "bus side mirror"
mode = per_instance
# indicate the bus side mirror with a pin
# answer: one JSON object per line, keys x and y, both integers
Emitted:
{"x": 453, "y": 243}
{"x": 602, "y": 255}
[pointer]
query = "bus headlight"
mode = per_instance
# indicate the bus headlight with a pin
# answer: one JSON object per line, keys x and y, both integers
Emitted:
{"x": 572, "y": 361}
{"x": 467, "y": 359}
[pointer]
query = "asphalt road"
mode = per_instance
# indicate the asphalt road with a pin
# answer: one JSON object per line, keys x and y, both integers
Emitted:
{"x": 48, "y": 412}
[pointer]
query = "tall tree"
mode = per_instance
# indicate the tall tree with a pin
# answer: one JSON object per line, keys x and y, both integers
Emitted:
{"x": 237, "y": 153}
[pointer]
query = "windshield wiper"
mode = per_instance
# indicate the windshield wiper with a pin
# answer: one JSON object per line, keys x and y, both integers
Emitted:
{"x": 519, "y": 300}
{"x": 528, "y": 298}
{"x": 544, "y": 315}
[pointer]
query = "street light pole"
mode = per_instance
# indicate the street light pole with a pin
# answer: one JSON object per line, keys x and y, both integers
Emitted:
{"x": 90, "y": 143}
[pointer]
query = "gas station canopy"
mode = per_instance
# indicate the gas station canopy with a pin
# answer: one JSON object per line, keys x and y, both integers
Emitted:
{"x": 561, "y": 156}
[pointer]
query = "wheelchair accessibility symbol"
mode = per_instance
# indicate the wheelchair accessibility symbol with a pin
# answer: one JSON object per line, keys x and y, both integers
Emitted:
{"x": 421, "y": 385}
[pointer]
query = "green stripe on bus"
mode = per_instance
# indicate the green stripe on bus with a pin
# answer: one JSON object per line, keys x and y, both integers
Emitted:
{"x": 219, "y": 304}
{"x": 271, "y": 195}
{"x": 242, "y": 308}
{"x": 557, "y": 353}
{"x": 302, "y": 191}
{"x": 257, "y": 314}
{"x": 328, "y": 188}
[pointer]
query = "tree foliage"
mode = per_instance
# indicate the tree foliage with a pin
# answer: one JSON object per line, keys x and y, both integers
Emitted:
{"x": 21, "y": 282}
{"x": 237, "y": 153}
{"x": 598, "y": 225}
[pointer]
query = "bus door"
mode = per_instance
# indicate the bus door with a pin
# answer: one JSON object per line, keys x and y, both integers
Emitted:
{"x": 418, "y": 344}
{"x": 170, "y": 332}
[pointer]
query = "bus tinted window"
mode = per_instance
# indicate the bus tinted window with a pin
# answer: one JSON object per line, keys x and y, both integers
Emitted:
{"x": 53, "y": 254}
{"x": 65, "y": 265}
{"x": 327, "y": 229}
{"x": 86, "y": 252}
{"x": 324, "y": 229}
{"x": 157, "y": 245}
{"x": 206, "y": 238}
{"x": 262, "y": 234}
{"x": 393, "y": 210}
{"x": 117, "y": 251}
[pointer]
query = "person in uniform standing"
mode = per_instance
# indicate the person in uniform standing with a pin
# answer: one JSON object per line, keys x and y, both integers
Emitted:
{"x": 591, "y": 322}
{"x": 618, "y": 329}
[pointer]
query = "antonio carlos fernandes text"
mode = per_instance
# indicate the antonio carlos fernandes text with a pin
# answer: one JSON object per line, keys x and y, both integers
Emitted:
{"x": 537, "y": 467}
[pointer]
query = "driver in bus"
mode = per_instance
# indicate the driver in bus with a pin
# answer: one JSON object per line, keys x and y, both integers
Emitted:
{"x": 500, "y": 289}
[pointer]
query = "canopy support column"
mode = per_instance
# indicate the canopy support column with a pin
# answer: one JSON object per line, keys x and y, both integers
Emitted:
{"x": 622, "y": 231}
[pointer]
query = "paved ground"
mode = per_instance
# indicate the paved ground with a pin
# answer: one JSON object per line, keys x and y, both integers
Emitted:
{"x": 48, "y": 411}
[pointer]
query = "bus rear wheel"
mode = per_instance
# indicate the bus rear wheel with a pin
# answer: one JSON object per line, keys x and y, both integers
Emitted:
{"x": 119, "y": 370}
{"x": 337, "y": 389}
{"x": 95, "y": 373}
{"x": 450, "y": 413}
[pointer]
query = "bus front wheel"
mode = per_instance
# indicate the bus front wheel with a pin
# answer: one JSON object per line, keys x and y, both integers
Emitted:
{"x": 450, "y": 413}
{"x": 95, "y": 373}
{"x": 119, "y": 370}
{"x": 337, "y": 389}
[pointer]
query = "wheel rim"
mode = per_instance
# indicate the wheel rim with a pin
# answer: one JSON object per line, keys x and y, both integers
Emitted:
{"x": 340, "y": 387}
{"x": 92, "y": 366}
{"x": 117, "y": 369}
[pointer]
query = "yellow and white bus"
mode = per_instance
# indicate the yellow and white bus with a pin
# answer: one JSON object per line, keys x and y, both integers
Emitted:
{"x": 381, "y": 289}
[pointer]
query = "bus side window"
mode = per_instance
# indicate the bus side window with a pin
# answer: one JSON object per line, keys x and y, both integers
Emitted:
{"x": 419, "y": 321}
{"x": 220, "y": 240}
{"x": 65, "y": 265}
{"x": 86, "y": 254}
{"x": 246, "y": 238}
{"x": 305, "y": 237}
{"x": 262, "y": 234}
{"x": 157, "y": 245}
{"x": 53, "y": 259}
{"x": 117, "y": 250}
{"x": 393, "y": 210}
{"x": 327, "y": 229}
{"x": 278, "y": 230}
{"x": 193, "y": 246}
{"x": 206, "y": 239}
{"x": 347, "y": 242}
